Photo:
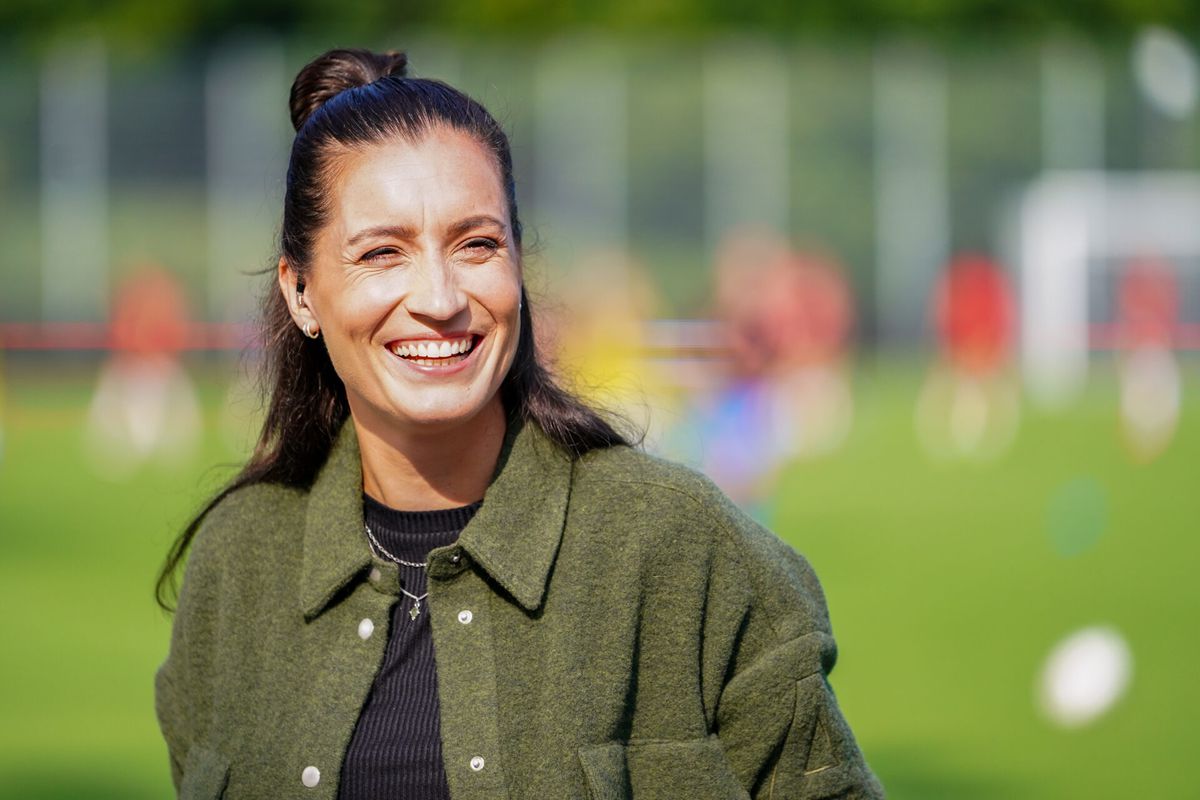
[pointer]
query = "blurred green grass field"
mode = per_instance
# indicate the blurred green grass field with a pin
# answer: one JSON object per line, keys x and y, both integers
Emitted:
{"x": 945, "y": 586}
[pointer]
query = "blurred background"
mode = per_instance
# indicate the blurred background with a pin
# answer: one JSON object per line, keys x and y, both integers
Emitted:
{"x": 917, "y": 283}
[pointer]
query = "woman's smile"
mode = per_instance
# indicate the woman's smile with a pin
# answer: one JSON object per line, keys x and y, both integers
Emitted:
{"x": 435, "y": 355}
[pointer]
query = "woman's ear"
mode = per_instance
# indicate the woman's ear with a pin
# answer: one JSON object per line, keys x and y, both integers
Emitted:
{"x": 291, "y": 285}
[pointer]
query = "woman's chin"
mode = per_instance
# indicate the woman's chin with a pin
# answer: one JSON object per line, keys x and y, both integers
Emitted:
{"x": 440, "y": 417}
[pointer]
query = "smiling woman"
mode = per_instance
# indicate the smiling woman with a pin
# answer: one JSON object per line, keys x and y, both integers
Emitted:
{"x": 440, "y": 575}
{"x": 416, "y": 287}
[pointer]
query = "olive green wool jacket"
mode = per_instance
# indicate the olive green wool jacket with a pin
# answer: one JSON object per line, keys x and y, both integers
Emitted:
{"x": 606, "y": 627}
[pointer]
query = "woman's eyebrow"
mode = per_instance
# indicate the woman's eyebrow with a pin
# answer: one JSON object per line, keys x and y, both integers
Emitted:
{"x": 405, "y": 232}
{"x": 397, "y": 231}
{"x": 478, "y": 221}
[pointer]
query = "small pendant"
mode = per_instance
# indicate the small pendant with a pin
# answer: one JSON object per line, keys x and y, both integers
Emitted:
{"x": 415, "y": 611}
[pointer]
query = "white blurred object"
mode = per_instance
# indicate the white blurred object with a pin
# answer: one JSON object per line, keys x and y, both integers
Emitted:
{"x": 747, "y": 149}
{"x": 1072, "y": 225}
{"x": 912, "y": 200}
{"x": 1151, "y": 394}
{"x": 584, "y": 208}
{"x": 1084, "y": 675}
{"x": 1165, "y": 66}
{"x": 142, "y": 408}
{"x": 245, "y": 141}
{"x": 74, "y": 189}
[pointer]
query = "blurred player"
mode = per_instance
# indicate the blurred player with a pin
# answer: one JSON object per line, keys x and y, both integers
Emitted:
{"x": 144, "y": 405}
{"x": 1148, "y": 372}
{"x": 786, "y": 319}
{"x": 969, "y": 407}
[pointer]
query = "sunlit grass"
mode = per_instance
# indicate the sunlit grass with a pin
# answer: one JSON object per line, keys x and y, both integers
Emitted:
{"x": 945, "y": 585}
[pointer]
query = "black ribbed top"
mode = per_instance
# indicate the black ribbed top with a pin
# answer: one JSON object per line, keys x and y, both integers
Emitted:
{"x": 395, "y": 752}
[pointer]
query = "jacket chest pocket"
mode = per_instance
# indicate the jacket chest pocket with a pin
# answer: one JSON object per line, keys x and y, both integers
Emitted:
{"x": 205, "y": 774}
{"x": 696, "y": 769}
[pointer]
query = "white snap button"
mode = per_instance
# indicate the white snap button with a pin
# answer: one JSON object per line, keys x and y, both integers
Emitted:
{"x": 465, "y": 616}
{"x": 455, "y": 557}
{"x": 365, "y": 629}
{"x": 477, "y": 763}
{"x": 376, "y": 575}
{"x": 310, "y": 777}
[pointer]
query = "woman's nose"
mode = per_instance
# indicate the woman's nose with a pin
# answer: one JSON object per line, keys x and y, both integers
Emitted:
{"x": 436, "y": 293}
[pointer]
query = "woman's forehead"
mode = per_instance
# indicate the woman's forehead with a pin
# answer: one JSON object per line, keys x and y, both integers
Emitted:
{"x": 443, "y": 175}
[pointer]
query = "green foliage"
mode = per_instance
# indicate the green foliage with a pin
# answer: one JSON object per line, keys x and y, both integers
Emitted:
{"x": 166, "y": 24}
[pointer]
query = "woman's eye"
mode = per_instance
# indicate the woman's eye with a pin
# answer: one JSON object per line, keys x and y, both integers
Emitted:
{"x": 379, "y": 253}
{"x": 482, "y": 245}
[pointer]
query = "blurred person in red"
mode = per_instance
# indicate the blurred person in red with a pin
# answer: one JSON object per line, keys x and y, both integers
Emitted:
{"x": 968, "y": 406}
{"x": 811, "y": 312}
{"x": 786, "y": 317}
{"x": 440, "y": 574}
{"x": 144, "y": 405}
{"x": 1147, "y": 369}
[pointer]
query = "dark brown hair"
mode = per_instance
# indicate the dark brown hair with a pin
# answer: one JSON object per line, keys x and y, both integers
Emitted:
{"x": 347, "y": 99}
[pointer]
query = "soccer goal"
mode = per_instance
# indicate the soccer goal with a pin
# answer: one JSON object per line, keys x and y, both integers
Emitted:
{"x": 1074, "y": 232}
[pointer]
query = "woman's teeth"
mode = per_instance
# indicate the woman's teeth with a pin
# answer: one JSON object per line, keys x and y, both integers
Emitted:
{"x": 432, "y": 352}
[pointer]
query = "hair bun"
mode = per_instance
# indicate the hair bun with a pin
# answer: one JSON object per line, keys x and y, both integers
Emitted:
{"x": 335, "y": 71}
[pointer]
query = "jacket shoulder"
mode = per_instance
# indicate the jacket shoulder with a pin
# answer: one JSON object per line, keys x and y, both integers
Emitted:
{"x": 667, "y": 489}
{"x": 629, "y": 465}
{"x": 685, "y": 506}
{"x": 244, "y": 520}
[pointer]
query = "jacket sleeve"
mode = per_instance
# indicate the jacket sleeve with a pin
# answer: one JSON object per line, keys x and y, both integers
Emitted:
{"x": 777, "y": 717}
{"x": 172, "y": 719}
{"x": 171, "y": 704}
{"x": 181, "y": 699}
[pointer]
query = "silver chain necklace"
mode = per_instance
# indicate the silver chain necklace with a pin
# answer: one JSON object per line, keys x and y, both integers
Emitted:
{"x": 383, "y": 552}
{"x": 415, "y": 611}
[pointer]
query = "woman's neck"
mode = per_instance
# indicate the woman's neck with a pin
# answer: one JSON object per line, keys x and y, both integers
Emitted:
{"x": 421, "y": 471}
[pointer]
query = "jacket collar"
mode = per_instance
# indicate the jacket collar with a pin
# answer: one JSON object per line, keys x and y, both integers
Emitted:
{"x": 514, "y": 536}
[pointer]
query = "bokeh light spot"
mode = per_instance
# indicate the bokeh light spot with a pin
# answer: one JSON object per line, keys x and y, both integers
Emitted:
{"x": 1084, "y": 675}
{"x": 1077, "y": 516}
{"x": 1166, "y": 71}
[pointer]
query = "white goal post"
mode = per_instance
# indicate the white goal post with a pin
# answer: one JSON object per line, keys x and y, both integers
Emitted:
{"x": 1066, "y": 222}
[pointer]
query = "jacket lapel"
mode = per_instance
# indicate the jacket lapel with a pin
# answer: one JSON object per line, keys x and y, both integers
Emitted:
{"x": 335, "y": 548}
{"x": 514, "y": 536}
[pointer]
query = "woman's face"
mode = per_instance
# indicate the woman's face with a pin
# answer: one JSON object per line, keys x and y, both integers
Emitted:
{"x": 415, "y": 282}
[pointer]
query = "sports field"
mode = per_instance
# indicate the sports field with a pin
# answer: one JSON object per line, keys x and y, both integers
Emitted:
{"x": 946, "y": 585}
